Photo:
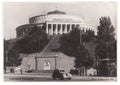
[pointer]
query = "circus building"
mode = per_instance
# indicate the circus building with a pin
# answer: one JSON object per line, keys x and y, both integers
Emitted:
{"x": 54, "y": 23}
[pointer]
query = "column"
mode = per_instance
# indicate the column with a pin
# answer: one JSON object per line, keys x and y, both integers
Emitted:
{"x": 47, "y": 28}
{"x": 65, "y": 28}
{"x": 75, "y": 25}
{"x": 51, "y": 30}
{"x": 56, "y": 30}
{"x": 61, "y": 29}
{"x": 70, "y": 27}
{"x": 81, "y": 27}
{"x": 95, "y": 31}
{"x": 85, "y": 29}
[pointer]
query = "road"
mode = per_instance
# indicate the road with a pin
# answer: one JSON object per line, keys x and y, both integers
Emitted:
{"x": 26, "y": 77}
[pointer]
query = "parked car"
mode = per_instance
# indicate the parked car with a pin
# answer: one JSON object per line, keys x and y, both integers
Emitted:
{"x": 61, "y": 75}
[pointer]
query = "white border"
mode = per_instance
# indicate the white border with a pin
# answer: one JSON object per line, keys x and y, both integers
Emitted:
{"x": 54, "y": 83}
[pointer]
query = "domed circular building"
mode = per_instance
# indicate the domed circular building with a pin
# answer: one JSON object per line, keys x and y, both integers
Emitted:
{"x": 54, "y": 23}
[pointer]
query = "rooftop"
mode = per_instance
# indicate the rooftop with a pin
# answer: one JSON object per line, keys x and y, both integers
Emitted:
{"x": 56, "y": 12}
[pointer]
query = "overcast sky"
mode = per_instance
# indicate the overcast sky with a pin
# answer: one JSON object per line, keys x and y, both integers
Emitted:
{"x": 18, "y": 13}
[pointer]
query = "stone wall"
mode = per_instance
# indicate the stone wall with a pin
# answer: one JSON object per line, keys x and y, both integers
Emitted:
{"x": 62, "y": 62}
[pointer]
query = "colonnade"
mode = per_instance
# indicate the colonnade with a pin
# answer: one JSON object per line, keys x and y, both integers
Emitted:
{"x": 55, "y": 28}
{"x": 52, "y": 29}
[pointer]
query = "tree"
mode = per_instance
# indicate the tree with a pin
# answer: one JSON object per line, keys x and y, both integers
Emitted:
{"x": 105, "y": 39}
{"x": 113, "y": 50}
{"x": 5, "y": 52}
{"x": 88, "y": 36}
{"x": 34, "y": 41}
{"x": 13, "y": 58}
{"x": 83, "y": 58}
{"x": 70, "y": 45}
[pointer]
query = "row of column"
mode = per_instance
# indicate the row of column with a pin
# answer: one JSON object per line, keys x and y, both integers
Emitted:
{"x": 52, "y": 29}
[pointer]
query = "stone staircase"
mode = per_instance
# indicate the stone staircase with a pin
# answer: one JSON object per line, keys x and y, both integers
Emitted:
{"x": 53, "y": 45}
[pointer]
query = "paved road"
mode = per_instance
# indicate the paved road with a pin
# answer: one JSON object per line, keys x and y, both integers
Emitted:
{"x": 24, "y": 77}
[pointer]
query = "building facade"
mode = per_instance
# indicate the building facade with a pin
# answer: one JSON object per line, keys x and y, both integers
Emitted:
{"x": 54, "y": 23}
{"x": 44, "y": 62}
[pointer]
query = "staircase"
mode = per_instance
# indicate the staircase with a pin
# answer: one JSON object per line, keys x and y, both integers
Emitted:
{"x": 53, "y": 45}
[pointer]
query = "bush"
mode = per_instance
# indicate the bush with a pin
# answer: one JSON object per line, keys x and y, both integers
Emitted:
{"x": 74, "y": 71}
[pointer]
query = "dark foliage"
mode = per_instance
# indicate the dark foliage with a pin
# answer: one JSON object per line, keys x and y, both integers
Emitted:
{"x": 13, "y": 58}
{"x": 88, "y": 36}
{"x": 5, "y": 52}
{"x": 74, "y": 71}
{"x": 34, "y": 41}
{"x": 106, "y": 48}
{"x": 70, "y": 45}
{"x": 105, "y": 38}
{"x": 112, "y": 49}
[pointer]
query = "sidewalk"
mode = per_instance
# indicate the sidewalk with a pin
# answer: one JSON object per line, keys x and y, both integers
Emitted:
{"x": 48, "y": 76}
{"x": 94, "y": 78}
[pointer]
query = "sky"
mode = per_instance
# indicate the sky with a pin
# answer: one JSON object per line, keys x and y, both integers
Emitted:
{"x": 18, "y": 13}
